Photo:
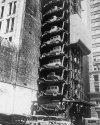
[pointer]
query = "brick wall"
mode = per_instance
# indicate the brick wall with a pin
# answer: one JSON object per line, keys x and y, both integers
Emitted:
{"x": 6, "y": 54}
{"x": 29, "y": 52}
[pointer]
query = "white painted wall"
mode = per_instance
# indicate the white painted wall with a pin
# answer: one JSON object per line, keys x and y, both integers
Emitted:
{"x": 16, "y": 100}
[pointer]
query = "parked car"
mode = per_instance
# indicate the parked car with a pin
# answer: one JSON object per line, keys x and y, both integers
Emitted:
{"x": 52, "y": 19}
{"x": 55, "y": 39}
{"x": 54, "y": 28}
{"x": 50, "y": 77}
{"x": 54, "y": 63}
{"x": 54, "y": 90}
{"x": 55, "y": 8}
{"x": 53, "y": 76}
{"x": 56, "y": 50}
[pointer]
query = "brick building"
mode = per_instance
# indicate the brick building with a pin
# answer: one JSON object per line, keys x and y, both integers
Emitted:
{"x": 20, "y": 26}
{"x": 92, "y": 9}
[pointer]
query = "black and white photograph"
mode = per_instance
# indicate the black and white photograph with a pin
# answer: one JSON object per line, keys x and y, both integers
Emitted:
{"x": 49, "y": 62}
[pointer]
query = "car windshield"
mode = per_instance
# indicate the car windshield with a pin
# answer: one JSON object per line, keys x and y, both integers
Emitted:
{"x": 52, "y": 73}
{"x": 53, "y": 87}
{"x": 56, "y": 60}
{"x": 57, "y": 48}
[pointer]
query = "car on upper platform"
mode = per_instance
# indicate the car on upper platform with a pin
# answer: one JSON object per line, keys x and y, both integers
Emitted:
{"x": 54, "y": 63}
{"x": 52, "y": 90}
{"x": 55, "y": 51}
{"x": 55, "y": 39}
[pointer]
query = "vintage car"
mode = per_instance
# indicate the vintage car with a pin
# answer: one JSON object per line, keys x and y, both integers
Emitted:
{"x": 53, "y": 76}
{"x": 52, "y": 90}
{"x": 54, "y": 63}
{"x": 53, "y": 18}
{"x": 56, "y": 50}
{"x": 52, "y": 40}
{"x": 55, "y": 8}
{"x": 53, "y": 29}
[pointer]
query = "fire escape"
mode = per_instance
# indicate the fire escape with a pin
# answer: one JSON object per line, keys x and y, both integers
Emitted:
{"x": 60, "y": 88}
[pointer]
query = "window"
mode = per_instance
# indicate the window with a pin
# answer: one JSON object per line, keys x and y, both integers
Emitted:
{"x": 96, "y": 49}
{"x": 96, "y": 88}
{"x": 96, "y": 78}
{"x": 7, "y": 28}
{"x": 0, "y": 24}
{"x": 10, "y": 39}
{"x": 95, "y": 16}
{"x": 14, "y": 9}
{"x": 96, "y": 32}
{"x": 12, "y": 24}
{"x": 10, "y": 8}
{"x": 2, "y": 11}
{"x": 98, "y": 58}
{"x": 95, "y": 9}
{"x": 96, "y": 40}
{"x": 96, "y": 83}
{"x": 95, "y": 68}
{"x": 94, "y": 1}
{"x": 94, "y": 59}
{"x": 95, "y": 24}
{"x": 98, "y": 67}
{"x": 98, "y": 102}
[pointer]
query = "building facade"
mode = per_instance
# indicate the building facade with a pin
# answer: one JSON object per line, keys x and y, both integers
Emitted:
{"x": 95, "y": 73}
{"x": 64, "y": 42}
{"x": 20, "y": 26}
{"x": 94, "y": 59}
